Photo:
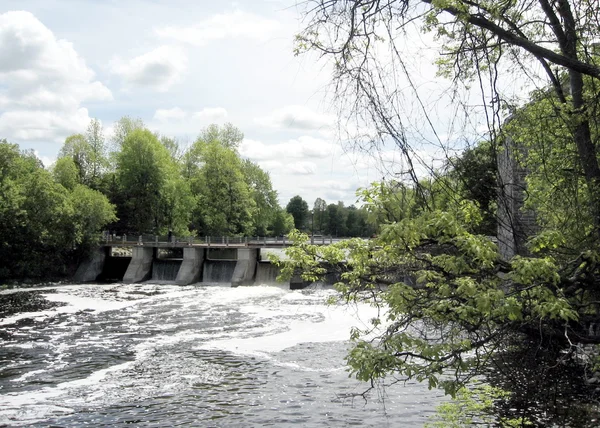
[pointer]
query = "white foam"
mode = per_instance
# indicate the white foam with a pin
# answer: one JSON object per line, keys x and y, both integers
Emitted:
{"x": 336, "y": 326}
{"x": 27, "y": 375}
{"x": 31, "y": 406}
{"x": 273, "y": 319}
{"x": 74, "y": 304}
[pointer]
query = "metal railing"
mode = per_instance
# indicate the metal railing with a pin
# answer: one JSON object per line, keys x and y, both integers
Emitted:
{"x": 207, "y": 241}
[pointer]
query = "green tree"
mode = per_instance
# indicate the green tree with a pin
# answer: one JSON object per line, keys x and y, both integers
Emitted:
{"x": 263, "y": 195}
{"x": 388, "y": 201}
{"x": 227, "y": 135}
{"x": 283, "y": 222}
{"x": 319, "y": 208}
{"x": 474, "y": 35}
{"x": 446, "y": 277}
{"x": 91, "y": 213}
{"x": 123, "y": 127}
{"x": 453, "y": 293}
{"x": 172, "y": 146}
{"x": 97, "y": 161}
{"x": 65, "y": 172}
{"x": 44, "y": 226}
{"x": 336, "y": 217}
{"x": 556, "y": 188}
{"x": 476, "y": 168}
{"x": 225, "y": 203}
{"x": 176, "y": 205}
{"x": 77, "y": 148}
{"x": 298, "y": 208}
{"x": 88, "y": 152}
{"x": 352, "y": 218}
{"x": 143, "y": 166}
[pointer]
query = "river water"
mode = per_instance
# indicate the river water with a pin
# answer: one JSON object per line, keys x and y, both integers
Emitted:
{"x": 204, "y": 355}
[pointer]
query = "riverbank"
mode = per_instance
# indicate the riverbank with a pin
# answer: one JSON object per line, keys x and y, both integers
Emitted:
{"x": 34, "y": 283}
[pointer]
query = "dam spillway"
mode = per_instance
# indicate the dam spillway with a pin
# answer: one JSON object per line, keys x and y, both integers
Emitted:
{"x": 237, "y": 266}
{"x": 266, "y": 273}
{"x": 165, "y": 269}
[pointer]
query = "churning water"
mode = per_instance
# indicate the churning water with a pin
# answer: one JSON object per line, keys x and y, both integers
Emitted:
{"x": 162, "y": 355}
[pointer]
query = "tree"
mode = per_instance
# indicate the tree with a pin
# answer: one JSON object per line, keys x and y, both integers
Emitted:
{"x": 225, "y": 204}
{"x": 77, "y": 148}
{"x": 123, "y": 127}
{"x": 91, "y": 212}
{"x": 352, "y": 218}
{"x": 176, "y": 205}
{"x": 142, "y": 170}
{"x": 476, "y": 170}
{"x": 336, "y": 225}
{"x": 235, "y": 196}
{"x": 88, "y": 152}
{"x": 318, "y": 210}
{"x": 556, "y": 187}
{"x": 443, "y": 307}
{"x": 298, "y": 208}
{"x": 263, "y": 195}
{"x": 478, "y": 37}
{"x": 172, "y": 146}
{"x": 283, "y": 222}
{"x": 227, "y": 135}
{"x": 388, "y": 201}
{"x": 443, "y": 278}
{"x": 97, "y": 153}
{"x": 65, "y": 172}
{"x": 45, "y": 226}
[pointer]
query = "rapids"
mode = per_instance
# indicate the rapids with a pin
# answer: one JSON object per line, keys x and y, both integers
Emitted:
{"x": 204, "y": 355}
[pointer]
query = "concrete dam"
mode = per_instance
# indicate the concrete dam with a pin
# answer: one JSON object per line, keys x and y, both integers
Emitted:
{"x": 182, "y": 266}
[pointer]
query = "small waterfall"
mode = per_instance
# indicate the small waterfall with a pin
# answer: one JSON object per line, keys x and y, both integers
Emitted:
{"x": 266, "y": 273}
{"x": 165, "y": 269}
{"x": 218, "y": 270}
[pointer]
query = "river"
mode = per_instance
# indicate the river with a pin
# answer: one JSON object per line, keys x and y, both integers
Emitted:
{"x": 202, "y": 355}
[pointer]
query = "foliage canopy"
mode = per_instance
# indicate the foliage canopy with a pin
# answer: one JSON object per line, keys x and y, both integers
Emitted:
{"x": 449, "y": 303}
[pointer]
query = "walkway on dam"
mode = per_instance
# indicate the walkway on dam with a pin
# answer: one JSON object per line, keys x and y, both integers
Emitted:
{"x": 207, "y": 241}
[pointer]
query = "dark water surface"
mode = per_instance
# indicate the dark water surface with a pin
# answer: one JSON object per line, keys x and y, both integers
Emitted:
{"x": 162, "y": 355}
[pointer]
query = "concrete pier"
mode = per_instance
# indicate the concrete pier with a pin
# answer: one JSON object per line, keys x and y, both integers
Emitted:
{"x": 245, "y": 268}
{"x": 238, "y": 266}
{"x": 140, "y": 268}
{"x": 191, "y": 268}
{"x": 91, "y": 268}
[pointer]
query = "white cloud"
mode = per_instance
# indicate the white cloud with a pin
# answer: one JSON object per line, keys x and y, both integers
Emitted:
{"x": 297, "y": 117}
{"x": 211, "y": 115}
{"x": 46, "y": 160}
{"x": 272, "y": 165}
{"x": 176, "y": 114}
{"x": 158, "y": 69}
{"x": 236, "y": 24}
{"x": 165, "y": 115}
{"x": 333, "y": 185}
{"x": 43, "y": 82}
{"x": 40, "y": 125}
{"x": 301, "y": 148}
{"x": 301, "y": 168}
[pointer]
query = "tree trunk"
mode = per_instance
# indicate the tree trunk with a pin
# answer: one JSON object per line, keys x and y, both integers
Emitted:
{"x": 586, "y": 148}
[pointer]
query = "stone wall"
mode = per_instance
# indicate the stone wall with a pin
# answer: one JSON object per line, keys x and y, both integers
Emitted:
{"x": 515, "y": 223}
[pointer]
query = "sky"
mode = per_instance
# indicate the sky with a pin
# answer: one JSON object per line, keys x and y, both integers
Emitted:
{"x": 179, "y": 65}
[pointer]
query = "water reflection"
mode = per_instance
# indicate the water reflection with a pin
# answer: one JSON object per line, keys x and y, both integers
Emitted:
{"x": 546, "y": 387}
